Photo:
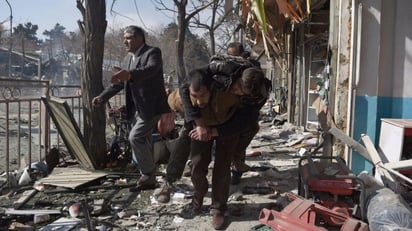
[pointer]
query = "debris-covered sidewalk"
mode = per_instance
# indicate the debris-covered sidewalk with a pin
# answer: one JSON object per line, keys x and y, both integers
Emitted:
{"x": 101, "y": 200}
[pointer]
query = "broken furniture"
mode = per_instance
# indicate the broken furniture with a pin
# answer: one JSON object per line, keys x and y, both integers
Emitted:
{"x": 394, "y": 175}
{"x": 305, "y": 215}
{"x": 396, "y": 139}
{"x": 332, "y": 184}
{"x": 397, "y": 213}
{"x": 395, "y": 146}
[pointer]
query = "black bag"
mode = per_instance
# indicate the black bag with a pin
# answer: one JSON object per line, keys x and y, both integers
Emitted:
{"x": 225, "y": 69}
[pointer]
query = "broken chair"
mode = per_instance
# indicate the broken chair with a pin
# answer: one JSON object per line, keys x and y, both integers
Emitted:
{"x": 305, "y": 215}
{"x": 329, "y": 182}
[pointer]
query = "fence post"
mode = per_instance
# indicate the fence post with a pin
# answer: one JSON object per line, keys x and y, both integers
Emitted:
{"x": 45, "y": 121}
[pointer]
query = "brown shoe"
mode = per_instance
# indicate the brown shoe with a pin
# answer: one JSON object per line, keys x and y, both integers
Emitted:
{"x": 164, "y": 194}
{"x": 218, "y": 221}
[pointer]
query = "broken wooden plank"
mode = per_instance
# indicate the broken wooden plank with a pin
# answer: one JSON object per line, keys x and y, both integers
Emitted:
{"x": 375, "y": 158}
{"x": 91, "y": 188}
{"x": 72, "y": 177}
{"x": 370, "y": 147}
{"x": 382, "y": 169}
{"x": 12, "y": 211}
{"x": 397, "y": 174}
{"x": 350, "y": 142}
{"x": 401, "y": 165}
{"x": 24, "y": 198}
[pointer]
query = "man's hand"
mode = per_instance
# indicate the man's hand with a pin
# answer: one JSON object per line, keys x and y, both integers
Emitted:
{"x": 96, "y": 101}
{"x": 201, "y": 133}
{"x": 121, "y": 75}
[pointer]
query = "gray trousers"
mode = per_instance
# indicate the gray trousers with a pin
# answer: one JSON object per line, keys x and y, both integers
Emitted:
{"x": 140, "y": 138}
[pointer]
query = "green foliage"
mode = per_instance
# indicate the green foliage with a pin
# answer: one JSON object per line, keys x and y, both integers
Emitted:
{"x": 27, "y": 31}
{"x": 56, "y": 32}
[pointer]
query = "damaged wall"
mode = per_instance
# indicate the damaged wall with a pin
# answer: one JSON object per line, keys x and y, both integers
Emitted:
{"x": 381, "y": 86}
{"x": 341, "y": 44}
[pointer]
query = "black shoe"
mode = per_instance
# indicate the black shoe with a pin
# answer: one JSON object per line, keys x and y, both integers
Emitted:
{"x": 191, "y": 210}
{"x": 240, "y": 166}
{"x": 235, "y": 179}
{"x": 145, "y": 182}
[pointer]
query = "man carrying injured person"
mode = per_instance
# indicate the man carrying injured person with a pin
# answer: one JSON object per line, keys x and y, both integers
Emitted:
{"x": 229, "y": 136}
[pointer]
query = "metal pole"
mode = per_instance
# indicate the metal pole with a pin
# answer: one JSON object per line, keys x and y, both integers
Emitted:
{"x": 11, "y": 40}
{"x": 39, "y": 67}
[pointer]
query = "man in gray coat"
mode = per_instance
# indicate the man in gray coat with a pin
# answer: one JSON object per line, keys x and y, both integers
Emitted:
{"x": 141, "y": 76}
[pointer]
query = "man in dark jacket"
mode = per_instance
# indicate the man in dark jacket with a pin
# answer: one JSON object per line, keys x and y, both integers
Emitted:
{"x": 250, "y": 83}
{"x": 141, "y": 76}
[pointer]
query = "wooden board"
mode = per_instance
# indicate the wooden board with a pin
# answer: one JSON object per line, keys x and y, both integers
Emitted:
{"x": 71, "y": 177}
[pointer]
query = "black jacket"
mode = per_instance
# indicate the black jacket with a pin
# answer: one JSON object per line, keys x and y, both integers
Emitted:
{"x": 223, "y": 75}
{"x": 145, "y": 91}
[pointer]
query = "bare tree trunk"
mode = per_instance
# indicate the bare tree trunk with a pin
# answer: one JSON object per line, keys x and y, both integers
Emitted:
{"x": 181, "y": 31}
{"x": 212, "y": 42}
{"x": 182, "y": 23}
{"x": 94, "y": 28}
{"x": 212, "y": 28}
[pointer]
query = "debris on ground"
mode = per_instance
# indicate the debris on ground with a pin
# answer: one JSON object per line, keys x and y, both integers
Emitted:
{"x": 71, "y": 198}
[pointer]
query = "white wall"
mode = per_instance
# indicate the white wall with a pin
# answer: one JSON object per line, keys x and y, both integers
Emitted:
{"x": 370, "y": 47}
{"x": 402, "y": 66}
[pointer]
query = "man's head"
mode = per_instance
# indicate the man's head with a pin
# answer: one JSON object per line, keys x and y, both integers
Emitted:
{"x": 199, "y": 87}
{"x": 250, "y": 83}
{"x": 235, "y": 49}
{"x": 133, "y": 38}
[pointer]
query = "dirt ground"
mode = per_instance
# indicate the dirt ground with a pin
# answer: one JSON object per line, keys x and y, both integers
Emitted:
{"x": 107, "y": 204}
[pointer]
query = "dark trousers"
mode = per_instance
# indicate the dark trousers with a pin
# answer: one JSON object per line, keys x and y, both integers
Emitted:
{"x": 179, "y": 153}
{"x": 245, "y": 137}
{"x": 201, "y": 157}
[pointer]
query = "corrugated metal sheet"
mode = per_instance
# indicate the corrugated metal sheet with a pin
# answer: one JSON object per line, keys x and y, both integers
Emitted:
{"x": 71, "y": 177}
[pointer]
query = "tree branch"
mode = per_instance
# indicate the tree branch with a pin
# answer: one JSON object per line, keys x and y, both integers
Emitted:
{"x": 197, "y": 10}
{"x": 79, "y": 5}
